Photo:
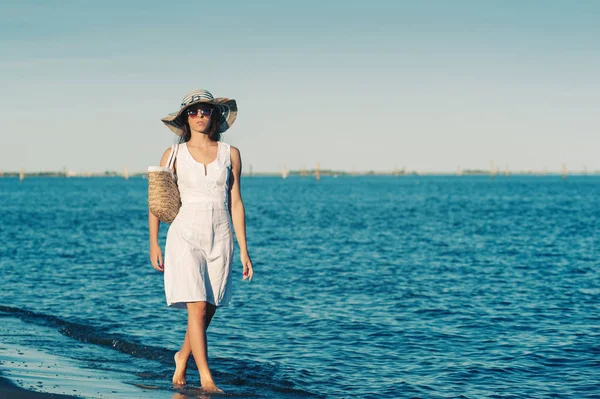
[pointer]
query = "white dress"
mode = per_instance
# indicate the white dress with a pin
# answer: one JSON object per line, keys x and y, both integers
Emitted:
{"x": 199, "y": 246}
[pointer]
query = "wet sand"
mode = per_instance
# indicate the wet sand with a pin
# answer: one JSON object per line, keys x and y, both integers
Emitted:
{"x": 76, "y": 370}
{"x": 32, "y": 373}
{"x": 8, "y": 390}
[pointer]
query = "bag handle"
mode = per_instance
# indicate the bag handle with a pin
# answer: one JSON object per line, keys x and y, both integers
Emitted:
{"x": 172, "y": 157}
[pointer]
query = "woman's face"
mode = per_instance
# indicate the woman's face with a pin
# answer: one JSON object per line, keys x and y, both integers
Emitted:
{"x": 198, "y": 117}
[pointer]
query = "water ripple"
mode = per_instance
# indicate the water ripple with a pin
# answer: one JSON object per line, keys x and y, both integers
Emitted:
{"x": 415, "y": 287}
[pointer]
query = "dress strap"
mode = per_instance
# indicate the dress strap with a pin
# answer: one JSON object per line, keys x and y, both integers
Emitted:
{"x": 172, "y": 157}
{"x": 226, "y": 154}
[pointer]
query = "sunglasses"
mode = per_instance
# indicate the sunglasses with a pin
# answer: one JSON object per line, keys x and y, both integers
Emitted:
{"x": 193, "y": 113}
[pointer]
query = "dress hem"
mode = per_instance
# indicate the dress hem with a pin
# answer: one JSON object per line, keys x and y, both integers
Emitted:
{"x": 182, "y": 304}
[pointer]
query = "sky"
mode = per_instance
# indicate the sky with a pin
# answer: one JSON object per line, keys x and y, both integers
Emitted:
{"x": 354, "y": 85}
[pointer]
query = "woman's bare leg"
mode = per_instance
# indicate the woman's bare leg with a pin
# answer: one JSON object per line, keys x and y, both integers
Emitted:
{"x": 196, "y": 333}
{"x": 184, "y": 353}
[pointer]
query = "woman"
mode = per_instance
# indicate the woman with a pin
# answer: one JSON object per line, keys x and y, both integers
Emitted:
{"x": 199, "y": 246}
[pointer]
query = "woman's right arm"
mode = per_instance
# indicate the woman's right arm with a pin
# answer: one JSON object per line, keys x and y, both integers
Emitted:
{"x": 153, "y": 224}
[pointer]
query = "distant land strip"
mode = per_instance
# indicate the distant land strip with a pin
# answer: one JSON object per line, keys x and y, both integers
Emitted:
{"x": 313, "y": 172}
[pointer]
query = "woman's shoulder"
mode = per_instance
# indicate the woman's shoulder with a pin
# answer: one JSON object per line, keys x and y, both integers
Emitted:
{"x": 167, "y": 153}
{"x": 229, "y": 148}
{"x": 165, "y": 157}
{"x": 234, "y": 154}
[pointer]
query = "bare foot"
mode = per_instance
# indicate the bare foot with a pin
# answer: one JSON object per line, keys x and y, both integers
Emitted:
{"x": 180, "y": 368}
{"x": 209, "y": 386}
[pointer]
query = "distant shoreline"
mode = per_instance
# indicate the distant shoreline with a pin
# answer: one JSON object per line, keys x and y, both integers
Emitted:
{"x": 312, "y": 173}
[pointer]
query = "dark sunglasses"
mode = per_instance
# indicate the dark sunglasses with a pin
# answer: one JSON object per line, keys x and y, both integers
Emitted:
{"x": 193, "y": 113}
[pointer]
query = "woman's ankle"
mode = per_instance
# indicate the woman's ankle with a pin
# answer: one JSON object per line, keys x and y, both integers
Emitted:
{"x": 206, "y": 377}
{"x": 181, "y": 356}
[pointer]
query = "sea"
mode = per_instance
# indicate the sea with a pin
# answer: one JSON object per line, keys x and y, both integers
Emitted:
{"x": 364, "y": 287}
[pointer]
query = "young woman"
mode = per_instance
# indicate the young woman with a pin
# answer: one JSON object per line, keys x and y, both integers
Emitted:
{"x": 199, "y": 246}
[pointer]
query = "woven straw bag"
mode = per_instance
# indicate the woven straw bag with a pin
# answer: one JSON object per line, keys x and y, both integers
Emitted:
{"x": 163, "y": 194}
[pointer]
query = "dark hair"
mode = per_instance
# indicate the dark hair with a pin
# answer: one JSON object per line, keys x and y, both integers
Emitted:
{"x": 213, "y": 126}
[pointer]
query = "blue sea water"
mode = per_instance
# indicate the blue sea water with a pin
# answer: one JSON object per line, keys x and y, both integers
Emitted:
{"x": 370, "y": 287}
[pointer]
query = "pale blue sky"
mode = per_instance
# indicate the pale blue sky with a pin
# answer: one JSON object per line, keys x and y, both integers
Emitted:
{"x": 366, "y": 85}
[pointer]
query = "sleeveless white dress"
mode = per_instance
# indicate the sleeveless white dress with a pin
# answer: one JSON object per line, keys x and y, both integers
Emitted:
{"x": 199, "y": 246}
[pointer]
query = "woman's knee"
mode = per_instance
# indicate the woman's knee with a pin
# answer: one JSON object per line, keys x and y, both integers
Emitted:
{"x": 197, "y": 309}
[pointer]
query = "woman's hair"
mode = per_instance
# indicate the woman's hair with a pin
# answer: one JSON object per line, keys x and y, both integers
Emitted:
{"x": 212, "y": 129}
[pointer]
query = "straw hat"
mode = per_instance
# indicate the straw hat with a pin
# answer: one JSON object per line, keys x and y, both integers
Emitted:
{"x": 227, "y": 110}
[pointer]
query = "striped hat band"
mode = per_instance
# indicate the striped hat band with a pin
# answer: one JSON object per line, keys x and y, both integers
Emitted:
{"x": 196, "y": 95}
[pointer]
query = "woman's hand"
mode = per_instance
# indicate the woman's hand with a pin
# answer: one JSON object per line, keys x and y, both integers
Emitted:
{"x": 156, "y": 257}
{"x": 247, "y": 266}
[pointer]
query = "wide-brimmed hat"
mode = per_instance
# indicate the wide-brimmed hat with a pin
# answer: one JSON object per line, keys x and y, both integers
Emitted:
{"x": 226, "y": 108}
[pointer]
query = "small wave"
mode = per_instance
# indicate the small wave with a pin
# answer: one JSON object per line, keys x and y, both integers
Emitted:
{"x": 91, "y": 334}
{"x": 238, "y": 372}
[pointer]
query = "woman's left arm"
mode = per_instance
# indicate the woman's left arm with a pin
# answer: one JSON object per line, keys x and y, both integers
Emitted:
{"x": 238, "y": 215}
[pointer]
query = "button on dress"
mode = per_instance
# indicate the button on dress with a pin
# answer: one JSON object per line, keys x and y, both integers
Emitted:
{"x": 199, "y": 246}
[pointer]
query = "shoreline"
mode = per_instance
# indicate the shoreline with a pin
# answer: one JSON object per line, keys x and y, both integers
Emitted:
{"x": 9, "y": 390}
{"x": 28, "y": 369}
{"x": 312, "y": 174}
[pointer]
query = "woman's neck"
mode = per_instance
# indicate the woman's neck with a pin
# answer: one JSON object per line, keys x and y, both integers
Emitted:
{"x": 200, "y": 140}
